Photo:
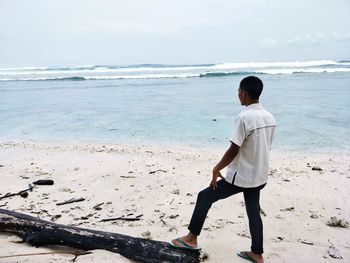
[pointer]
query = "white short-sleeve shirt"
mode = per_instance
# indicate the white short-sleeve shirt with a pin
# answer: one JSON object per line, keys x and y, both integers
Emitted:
{"x": 253, "y": 132}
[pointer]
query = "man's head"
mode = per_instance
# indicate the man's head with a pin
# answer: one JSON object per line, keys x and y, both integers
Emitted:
{"x": 249, "y": 90}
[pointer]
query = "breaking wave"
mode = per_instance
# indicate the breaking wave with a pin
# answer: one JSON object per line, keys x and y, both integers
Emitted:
{"x": 160, "y": 71}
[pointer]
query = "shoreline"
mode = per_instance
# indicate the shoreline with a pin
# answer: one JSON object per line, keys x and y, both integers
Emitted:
{"x": 161, "y": 183}
{"x": 219, "y": 147}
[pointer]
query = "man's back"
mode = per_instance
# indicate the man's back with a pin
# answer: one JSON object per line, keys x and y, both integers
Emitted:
{"x": 254, "y": 129}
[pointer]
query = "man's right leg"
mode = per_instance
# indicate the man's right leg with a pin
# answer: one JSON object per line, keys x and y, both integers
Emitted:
{"x": 205, "y": 199}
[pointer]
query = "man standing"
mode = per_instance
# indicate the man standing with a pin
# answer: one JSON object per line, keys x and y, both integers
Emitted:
{"x": 247, "y": 162}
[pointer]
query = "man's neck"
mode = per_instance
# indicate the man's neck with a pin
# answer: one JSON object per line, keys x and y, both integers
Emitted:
{"x": 251, "y": 102}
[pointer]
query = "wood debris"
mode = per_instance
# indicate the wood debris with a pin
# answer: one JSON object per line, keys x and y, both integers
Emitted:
{"x": 23, "y": 193}
{"x": 73, "y": 200}
{"x": 137, "y": 218}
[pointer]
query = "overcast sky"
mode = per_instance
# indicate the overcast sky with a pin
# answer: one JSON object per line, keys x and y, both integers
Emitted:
{"x": 106, "y": 32}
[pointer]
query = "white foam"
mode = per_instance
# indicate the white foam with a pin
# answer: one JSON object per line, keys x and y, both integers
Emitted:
{"x": 100, "y": 70}
{"x": 302, "y": 70}
{"x": 24, "y": 68}
{"x": 153, "y": 72}
{"x": 145, "y": 76}
{"x": 295, "y": 64}
{"x": 108, "y": 77}
{"x": 24, "y": 79}
{"x": 149, "y": 69}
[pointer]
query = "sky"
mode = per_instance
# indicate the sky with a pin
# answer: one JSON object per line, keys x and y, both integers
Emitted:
{"x": 115, "y": 32}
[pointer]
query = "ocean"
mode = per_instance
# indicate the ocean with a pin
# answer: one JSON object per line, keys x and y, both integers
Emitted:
{"x": 176, "y": 104}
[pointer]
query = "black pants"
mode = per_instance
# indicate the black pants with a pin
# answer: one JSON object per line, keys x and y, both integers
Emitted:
{"x": 224, "y": 189}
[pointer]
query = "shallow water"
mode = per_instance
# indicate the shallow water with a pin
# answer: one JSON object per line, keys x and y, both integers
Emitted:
{"x": 311, "y": 109}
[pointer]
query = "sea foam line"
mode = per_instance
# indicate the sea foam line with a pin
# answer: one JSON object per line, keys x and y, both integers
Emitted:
{"x": 160, "y": 67}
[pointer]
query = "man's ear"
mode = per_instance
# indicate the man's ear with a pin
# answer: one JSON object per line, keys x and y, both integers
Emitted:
{"x": 244, "y": 95}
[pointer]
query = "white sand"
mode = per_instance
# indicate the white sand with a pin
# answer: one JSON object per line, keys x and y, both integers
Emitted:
{"x": 162, "y": 185}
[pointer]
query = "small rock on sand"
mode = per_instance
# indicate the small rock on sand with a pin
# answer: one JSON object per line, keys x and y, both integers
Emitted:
{"x": 288, "y": 209}
{"x": 146, "y": 234}
{"x": 24, "y": 194}
{"x": 335, "y": 221}
{"x": 314, "y": 216}
{"x": 176, "y": 192}
{"x": 204, "y": 256}
{"x": 334, "y": 252}
{"x": 15, "y": 239}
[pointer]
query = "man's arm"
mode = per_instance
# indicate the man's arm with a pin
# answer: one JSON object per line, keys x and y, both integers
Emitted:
{"x": 228, "y": 157}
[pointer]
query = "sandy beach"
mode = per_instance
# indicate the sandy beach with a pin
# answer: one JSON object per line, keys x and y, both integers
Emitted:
{"x": 160, "y": 183}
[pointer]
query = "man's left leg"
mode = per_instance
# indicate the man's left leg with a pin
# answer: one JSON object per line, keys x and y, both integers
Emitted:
{"x": 252, "y": 202}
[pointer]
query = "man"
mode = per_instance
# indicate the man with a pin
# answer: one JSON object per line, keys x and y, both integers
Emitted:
{"x": 247, "y": 162}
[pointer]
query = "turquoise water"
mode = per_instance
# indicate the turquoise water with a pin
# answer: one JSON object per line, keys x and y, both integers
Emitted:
{"x": 311, "y": 108}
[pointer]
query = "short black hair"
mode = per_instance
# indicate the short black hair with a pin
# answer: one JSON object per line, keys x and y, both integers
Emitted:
{"x": 253, "y": 86}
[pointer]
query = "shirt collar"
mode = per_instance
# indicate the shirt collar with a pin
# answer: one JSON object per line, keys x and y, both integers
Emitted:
{"x": 254, "y": 106}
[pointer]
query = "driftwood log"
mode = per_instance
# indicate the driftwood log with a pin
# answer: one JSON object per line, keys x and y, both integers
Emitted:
{"x": 39, "y": 232}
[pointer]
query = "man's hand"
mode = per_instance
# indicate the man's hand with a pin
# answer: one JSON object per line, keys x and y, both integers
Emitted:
{"x": 228, "y": 157}
{"x": 216, "y": 174}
